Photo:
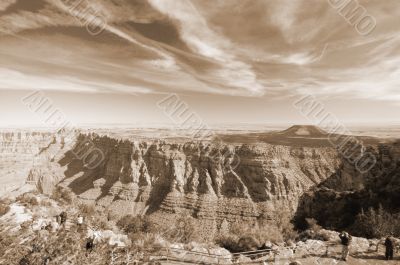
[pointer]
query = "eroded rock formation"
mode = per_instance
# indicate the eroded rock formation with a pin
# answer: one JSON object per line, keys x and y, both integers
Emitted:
{"x": 211, "y": 183}
{"x": 336, "y": 201}
{"x": 21, "y": 151}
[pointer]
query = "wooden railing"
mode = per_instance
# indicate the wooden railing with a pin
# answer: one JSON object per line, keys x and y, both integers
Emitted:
{"x": 182, "y": 256}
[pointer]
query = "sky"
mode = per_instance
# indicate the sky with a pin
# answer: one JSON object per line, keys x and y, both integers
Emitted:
{"x": 230, "y": 61}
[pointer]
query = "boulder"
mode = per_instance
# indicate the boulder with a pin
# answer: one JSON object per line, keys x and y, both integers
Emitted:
{"x": 223, "y": 256}
{"x": 359, "y": 245}
{"x": 311, "y": 247}
{"x": 243, "y": 259}
{"x": 328, "y": 235}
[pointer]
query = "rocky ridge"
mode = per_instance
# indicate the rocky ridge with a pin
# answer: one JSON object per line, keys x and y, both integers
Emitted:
{"x": 213, "y": 183}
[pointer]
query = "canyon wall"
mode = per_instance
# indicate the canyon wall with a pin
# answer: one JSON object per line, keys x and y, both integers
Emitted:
{"x": 214, "y": 184}
{"x": 18, "y": 151}
{"x": 335, "y": 202}
{"x": 32, "y": 157}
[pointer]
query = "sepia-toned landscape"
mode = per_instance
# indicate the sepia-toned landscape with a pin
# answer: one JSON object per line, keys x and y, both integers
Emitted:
{"x": 168, "y": 132}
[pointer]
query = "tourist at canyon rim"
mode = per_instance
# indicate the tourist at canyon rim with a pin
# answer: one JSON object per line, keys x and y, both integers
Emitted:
{"x": 89, "y": 245}
{"x": 389, "y": 244}
{"x": 346, "y": 242}
{"x": 63, "y": 219}
{"x": 24, "y": 261}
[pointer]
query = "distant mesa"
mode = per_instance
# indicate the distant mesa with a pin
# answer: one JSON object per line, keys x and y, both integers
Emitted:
{"x": 303, "y": 131}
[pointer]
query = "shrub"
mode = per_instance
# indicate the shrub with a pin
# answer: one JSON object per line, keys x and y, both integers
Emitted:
{"x": 28, "y": 199}
{"x": 229, "y": 242}
{"x": 134, "y": 224}
{"x": 46, "y": 203}
{"x": 87, "y": 209}
{"x": 4, "y": 206}
{"x": 62, "y": 195}
{"x": 4, "y": 209}
{"x": 184, "y": 230}
{"x": 376, "y": 223}
{"x": 323, "y": 235}
{"x": 104, "y": 225}
{"x": 283, "y": 220}
{"x": 144, "y": 241}
{"x": 312, "y": 224}
{"x": 248, "y": 243}
{"x": 34, "y": 201}
{"x": 25, "y": 226}
{"x": 249, "y": 236}
{"x": 238, "y": 244}
{"x": 262, "y": 231}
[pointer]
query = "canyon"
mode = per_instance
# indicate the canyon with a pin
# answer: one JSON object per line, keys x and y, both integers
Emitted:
{"x": 230, "y": 179}
{"x": 18, "y": 151}
{"x": 337, "y": 200}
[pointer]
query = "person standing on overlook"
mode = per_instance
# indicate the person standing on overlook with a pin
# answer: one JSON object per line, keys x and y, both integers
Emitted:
{"x": 389, "y": 244}
{"x": 346, "y": 241}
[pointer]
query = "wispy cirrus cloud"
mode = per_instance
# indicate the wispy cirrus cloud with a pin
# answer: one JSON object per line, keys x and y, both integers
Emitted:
{"x": 205, "y": 42}
{"x": 238, "y": 47}
{"x": 6, "y": 3}
{"x": 20, "y": 81}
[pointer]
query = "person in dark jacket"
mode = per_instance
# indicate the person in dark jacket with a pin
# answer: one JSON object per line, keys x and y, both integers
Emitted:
{"x": 389, "y": 244}
{"x": 345, "y": 239}
{"x": 63, "y": 217}
{"x": 89, "y": 245}
{"x": 24, "y": 261}
{"x": 63, "y": 220}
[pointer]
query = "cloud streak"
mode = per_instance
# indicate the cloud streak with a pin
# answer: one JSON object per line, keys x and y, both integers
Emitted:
{"x": 271, "y": 49}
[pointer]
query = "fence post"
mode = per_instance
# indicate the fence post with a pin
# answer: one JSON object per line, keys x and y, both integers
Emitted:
{"x": 167, "y": 254}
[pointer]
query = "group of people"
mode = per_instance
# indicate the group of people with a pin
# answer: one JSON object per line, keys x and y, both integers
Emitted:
{"x": 60, "y": 223}
{"x": 346, "y": 238}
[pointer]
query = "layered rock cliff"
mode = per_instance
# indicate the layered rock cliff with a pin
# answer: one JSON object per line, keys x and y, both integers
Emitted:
{"x": 210, "y": 182}
{"x": 336, "y": 201}
{"x": 19, "y": 150}
{"x": 213, "y": 182}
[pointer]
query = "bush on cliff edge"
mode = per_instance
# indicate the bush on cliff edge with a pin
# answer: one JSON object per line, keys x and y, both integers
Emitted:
{"x": 376, "y": 223}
